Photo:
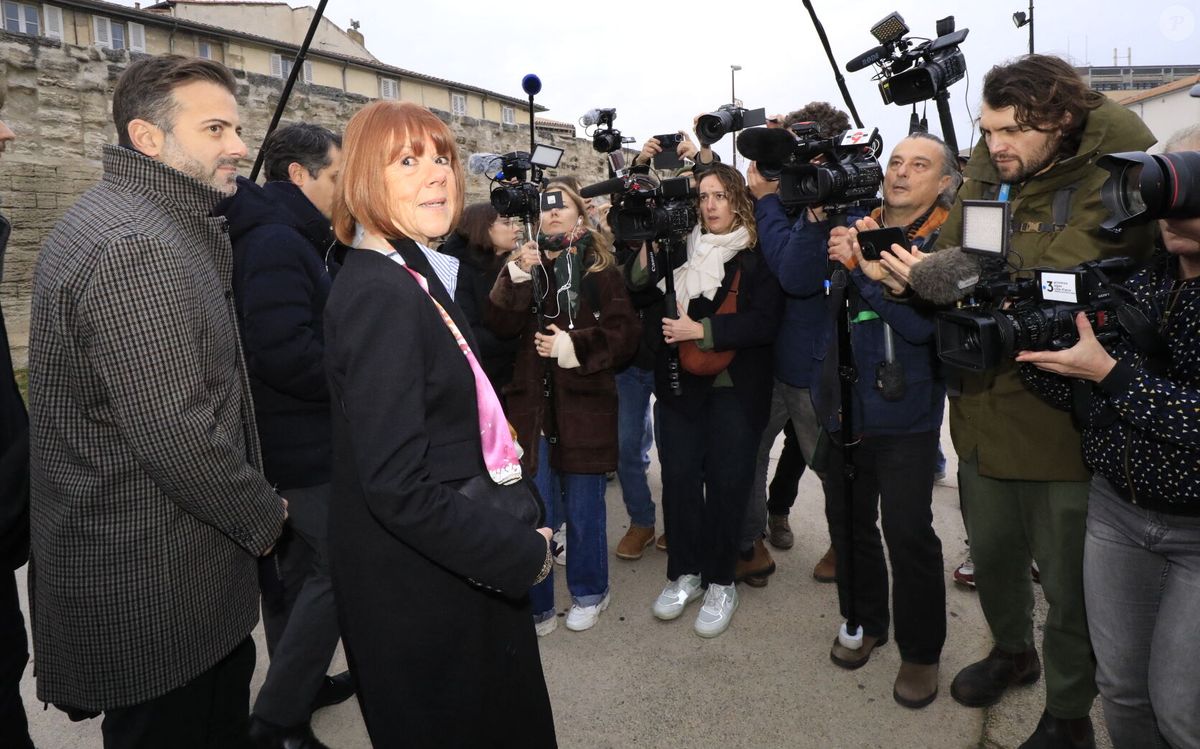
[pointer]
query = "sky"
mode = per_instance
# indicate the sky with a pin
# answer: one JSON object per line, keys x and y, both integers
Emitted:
{"x": 661, "y": 64}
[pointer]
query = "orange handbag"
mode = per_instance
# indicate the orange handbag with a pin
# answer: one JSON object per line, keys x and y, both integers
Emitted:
{"x": 697, "y": 361}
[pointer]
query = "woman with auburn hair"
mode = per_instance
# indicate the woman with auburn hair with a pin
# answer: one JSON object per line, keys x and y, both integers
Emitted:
{"x": 431, "y": 585}
{"x": 729, "y": 311}
{"x": 587, "y": 329}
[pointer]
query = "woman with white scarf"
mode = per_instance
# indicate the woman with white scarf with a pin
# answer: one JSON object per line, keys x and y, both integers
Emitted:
{"x": 729, "y": 311}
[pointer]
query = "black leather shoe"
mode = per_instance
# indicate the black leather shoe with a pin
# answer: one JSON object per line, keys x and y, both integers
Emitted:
{"x": 334, "y": 690}
{"x": 270, "y": 736}
{"x": 1062, "y": 733}
{"x": 983, "y": 683}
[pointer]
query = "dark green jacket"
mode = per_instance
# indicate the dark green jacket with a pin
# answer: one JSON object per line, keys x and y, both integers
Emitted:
{"x": 1014, "y": 433}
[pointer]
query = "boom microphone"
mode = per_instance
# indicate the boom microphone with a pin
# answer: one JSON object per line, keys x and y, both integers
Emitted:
{"x": 769, "y": 144}
{"x": 870, "y": 57}
{"x": 481, "y": 163}
{"x": 945, "y": 276}
{"x": 607, "y": 187}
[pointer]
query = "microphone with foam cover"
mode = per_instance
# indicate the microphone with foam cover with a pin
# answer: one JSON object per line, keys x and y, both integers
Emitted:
{"x": 768, "y": 144}
{"x": 481, "y": 163}
{"x": 945, "y": 276}
{"x": 607, "y": 187}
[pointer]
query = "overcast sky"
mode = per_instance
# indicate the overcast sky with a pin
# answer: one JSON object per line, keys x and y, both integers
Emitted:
{"x": 661, "y": 63}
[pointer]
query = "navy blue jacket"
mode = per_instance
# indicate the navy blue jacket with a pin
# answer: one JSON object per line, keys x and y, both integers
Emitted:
{"x": 788, "y": 249}
{"x": 921, "y": 407}
{"x": 280, "y": 282}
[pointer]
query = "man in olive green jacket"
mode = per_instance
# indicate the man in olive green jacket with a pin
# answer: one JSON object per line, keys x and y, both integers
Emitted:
{"x": 1023, "y": 483}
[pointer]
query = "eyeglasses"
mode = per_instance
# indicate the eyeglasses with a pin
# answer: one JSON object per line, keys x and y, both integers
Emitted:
{"x": 507, "y": 222}
{"x": 719, "y": 197}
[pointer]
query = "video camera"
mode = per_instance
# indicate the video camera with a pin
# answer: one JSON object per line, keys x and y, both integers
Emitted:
{"x": 644, "y": 211}
{"x": 729, "y": 118}
{"x": 520, "y": 180}
{"x": 834, "y": 173}
{"x": 606, "y": 138}
{"x": 911, "y": 73}
{"x": 1005, "y": 315}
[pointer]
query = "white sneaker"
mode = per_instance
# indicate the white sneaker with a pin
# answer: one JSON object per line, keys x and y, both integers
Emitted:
{"x": 580, "y": 618}
{"x": 719, "y": 604}
{"x": 546, "y": 626}
{"x": 558, "y": 545}
{"x": 676, "y": 596}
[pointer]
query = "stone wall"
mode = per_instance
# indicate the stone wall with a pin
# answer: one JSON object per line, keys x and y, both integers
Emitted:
{"x": 59, "y": 106}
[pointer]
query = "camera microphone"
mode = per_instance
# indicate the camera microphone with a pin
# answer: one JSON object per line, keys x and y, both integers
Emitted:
{"x": 769, "y": 144}
{"x": 945, "y": 276}
{"x": 591, "y": 117}
{"x": 481, "y": 163}
{"x": 870, "y": 57}
{"x": 607, "y": 187}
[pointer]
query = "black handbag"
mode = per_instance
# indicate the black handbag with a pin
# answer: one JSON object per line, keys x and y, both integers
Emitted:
{"x": 520, "y": 499}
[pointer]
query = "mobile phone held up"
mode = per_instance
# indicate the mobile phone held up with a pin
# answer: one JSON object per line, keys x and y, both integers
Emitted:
{"x": 880, "y": 240}
{"x": 668, "y": 159}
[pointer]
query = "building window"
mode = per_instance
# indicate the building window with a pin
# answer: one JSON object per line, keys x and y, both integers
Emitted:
{"x": 281, "y": 67}
{"x": 458, "y": 104}
{"x": 389, "y": 88}
{"x": 508, "y": 115}
{"x": 115, "y": 35}
{"x": 54, "y": 21}
{"x": 204, "y": 50}
{"x": 20, "y": 18}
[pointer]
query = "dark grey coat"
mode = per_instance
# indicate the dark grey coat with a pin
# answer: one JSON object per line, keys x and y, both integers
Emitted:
{"x": 148, "y": 505}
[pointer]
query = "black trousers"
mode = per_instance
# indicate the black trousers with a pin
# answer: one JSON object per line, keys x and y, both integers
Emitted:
{"x": 893, "y": 478}
{"x": 209, "y": 712}
{"x": 781, "y": 493}
{"x": 299, "y": 613}
{"x": 708, "y": 453}
{"x": 14, "y": 654}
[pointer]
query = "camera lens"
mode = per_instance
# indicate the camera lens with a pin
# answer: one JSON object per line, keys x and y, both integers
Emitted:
{"x": 710, "y": 128}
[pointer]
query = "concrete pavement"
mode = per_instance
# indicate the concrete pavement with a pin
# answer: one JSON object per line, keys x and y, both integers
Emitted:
{"x": 633, "y": 681}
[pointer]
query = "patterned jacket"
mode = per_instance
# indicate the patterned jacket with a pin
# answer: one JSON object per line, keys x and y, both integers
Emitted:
{"x": 148, "y": 505}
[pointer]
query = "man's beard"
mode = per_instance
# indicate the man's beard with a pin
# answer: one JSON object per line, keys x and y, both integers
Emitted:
{"x": 1037, "y": 162}
{"x": 178, "y": 159}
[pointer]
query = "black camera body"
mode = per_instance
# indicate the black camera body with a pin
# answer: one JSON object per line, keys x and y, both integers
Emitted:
{"x": 645, "y": 212}
{"x": 834, "y": 173}
{"x": 729, "y": 118}
{"x": 1032, "y": 314}
{"x": 520, "y": 180}
{"x": 926, "y": 70}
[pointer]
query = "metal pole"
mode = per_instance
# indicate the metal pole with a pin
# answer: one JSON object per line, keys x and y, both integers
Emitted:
{"x": 1031, "y": 27}
{"x": 733, "y": 69}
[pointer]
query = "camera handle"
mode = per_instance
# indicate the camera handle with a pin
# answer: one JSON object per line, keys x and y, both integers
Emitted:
{"x": 943, "y": 107}
{"x": 550, "y": 422}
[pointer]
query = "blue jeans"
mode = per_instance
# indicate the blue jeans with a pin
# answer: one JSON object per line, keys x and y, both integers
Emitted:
{"x": 582, "y": 501}
{"x": 1141, "y": 574}
{"x": 634, "y": 439}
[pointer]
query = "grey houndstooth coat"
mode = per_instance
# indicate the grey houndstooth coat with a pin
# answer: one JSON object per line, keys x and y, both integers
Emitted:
{"x": 148, "y": 505}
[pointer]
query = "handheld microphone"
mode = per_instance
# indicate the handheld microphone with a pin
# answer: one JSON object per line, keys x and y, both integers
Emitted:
{"x": 607, "y": 187}
{"x": 768, "y": 144}
{"x": 945, "y": 276}
{"x": 870, "y": 57}
{"x": 481, "y": 163}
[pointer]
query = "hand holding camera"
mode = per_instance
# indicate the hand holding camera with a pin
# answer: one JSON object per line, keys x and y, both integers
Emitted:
{"x": 759, "y": 186}
{"x": 527, "y": 256}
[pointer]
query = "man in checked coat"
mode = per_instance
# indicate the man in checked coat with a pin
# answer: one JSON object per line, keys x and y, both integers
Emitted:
{"x": 148, "y": 505}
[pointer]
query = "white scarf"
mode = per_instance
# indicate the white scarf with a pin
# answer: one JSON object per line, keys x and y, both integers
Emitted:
{"x": 705, "y": 267}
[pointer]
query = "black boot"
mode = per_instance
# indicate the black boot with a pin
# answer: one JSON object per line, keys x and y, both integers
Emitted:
{"x": 267, "y": 735}
{"x": 983, "y": 683}
{"x": 334, "y": 690}
{"x": 1062, "y": 733}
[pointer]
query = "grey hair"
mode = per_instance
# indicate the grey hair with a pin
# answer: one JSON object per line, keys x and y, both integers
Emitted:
{"x": 1180, "y": 140}
{"x": 949, "y": 167}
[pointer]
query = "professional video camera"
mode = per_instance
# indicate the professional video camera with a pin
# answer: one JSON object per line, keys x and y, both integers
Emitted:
{"x": 729, "y": 118}
{"x": 911, "y": 73}
{"x": 519, "y": 178}
{"x": 606, "y": 138}
{"x": 1004, "y": 315}
{"x": 833, "y": 173}
{"x": 645, "y": 211}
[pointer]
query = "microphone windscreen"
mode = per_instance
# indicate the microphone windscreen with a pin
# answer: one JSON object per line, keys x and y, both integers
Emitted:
{"x": 481, "y": 163}
{"x": 607, "y": 187}
{"x": 768, "y": 144}
{"x": 945, "y": 276}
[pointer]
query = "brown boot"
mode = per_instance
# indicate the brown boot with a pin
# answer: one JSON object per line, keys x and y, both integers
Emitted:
{"x": 916, "y": 684}
{"x": 634, "y": 541}
{"x": 983, "y": 683}
{"x": 826, "y": 569}
{"x": 852, "y": 659}
{"x": 779, "y": 532}
{"x": 755, "y": 569}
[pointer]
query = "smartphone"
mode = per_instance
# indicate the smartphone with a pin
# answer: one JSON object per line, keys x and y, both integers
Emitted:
{"x": 668, "y": 159}
{"x": 880, "y": 240}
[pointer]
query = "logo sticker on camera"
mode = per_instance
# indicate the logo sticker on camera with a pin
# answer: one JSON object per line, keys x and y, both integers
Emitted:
{"x": 552, "y": 200}
{"x": 1059, "y": 287}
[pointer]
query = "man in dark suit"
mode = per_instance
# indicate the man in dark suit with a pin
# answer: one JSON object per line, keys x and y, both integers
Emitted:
{"x": 14, "y": 525}
{"x": 282, "y": 244}
{"x": 149, "y": 508}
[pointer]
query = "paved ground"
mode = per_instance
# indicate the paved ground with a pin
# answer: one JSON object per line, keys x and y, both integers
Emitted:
{"x": 633, "y": 681}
